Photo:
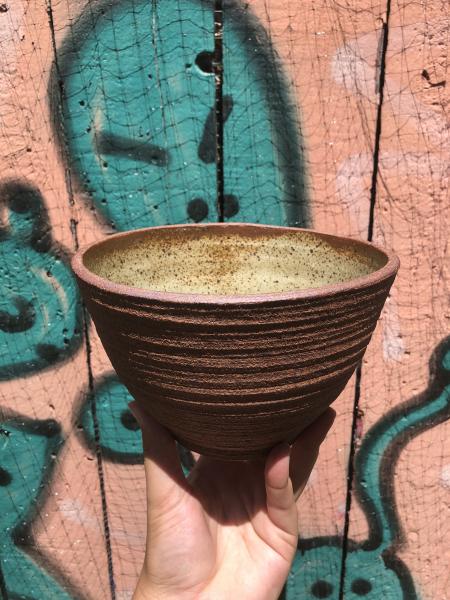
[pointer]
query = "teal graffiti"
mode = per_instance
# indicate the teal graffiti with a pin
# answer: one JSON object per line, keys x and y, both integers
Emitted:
{"x": 28, "y": 450}
{"x": 372, "y": 568}
{"x": 264, "y": 166}
{"x": 138, "y": 108}
{"x": 114, "y": 429}
{"x": 39, "y": 303}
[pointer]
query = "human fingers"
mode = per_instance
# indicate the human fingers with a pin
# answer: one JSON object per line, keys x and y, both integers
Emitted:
{"x": 305, "y": 450}
{"x": 163, "y": 471}
{"x": 279, "y": 492}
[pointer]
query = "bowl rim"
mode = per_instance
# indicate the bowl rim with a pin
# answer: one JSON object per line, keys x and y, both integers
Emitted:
{"x": 85, "y": 275}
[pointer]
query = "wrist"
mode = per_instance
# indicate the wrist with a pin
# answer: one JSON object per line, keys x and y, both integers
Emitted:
{"x": 147, "y": 589}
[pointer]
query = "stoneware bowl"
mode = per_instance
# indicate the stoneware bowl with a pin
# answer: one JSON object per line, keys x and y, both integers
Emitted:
{"x": 234, "y": 336}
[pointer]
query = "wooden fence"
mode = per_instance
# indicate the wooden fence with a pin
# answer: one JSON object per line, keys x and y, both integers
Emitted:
{"x": 328, "y": 114}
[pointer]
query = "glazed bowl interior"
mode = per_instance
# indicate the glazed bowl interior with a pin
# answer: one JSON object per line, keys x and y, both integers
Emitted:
{"x": 217, "y": 260}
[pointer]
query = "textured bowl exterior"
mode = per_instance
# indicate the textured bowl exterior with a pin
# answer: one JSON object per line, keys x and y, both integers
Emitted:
{"x": 232, "y": 378}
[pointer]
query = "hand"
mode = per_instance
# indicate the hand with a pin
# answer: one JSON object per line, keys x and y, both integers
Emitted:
{"x": 229, "y": 530}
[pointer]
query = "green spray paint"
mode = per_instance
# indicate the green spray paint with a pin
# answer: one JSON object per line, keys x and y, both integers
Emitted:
{"x": 120, "y": 438}
{"x": 139, "y": 119}
{"x": 27, "y": 453}
{"x": 39, "y": 302}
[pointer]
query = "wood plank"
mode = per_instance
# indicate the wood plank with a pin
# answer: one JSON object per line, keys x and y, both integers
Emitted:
{"x": 330, "y": 57}
{"x": 323, "y": 88}
{"x": 50, "y": 497}
{"x": 401, "y": 460}
{"x": 140, "y": 135}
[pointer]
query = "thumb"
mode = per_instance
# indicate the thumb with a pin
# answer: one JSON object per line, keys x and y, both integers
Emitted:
{"x": 163, "y": 472}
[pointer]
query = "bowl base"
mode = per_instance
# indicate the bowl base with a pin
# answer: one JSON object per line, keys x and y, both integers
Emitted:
{"x": 242, "y": 454}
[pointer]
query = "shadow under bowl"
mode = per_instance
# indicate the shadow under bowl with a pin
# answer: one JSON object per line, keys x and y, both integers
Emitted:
{"x": 234, "y": 336}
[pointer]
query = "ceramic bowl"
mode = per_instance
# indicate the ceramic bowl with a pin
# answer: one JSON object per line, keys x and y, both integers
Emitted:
{"x": 234, "y": 336}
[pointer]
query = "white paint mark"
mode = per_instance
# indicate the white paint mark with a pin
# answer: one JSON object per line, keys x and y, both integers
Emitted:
{"x": 393, "y": 344}
{"x": 57, "y": 289}
{"x": 340, "y": 516}
{"x": 445, "y": 477}
{"x": 98, "y": 102}
{"x": 354, "y": 65}
{"x": 76, "y": 512}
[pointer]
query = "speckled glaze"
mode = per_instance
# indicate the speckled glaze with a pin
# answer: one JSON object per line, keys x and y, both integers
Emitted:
{"x": 234, "y": 336}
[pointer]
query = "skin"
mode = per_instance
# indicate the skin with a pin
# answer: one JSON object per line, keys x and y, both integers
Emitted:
{"x": 230, "y": 529}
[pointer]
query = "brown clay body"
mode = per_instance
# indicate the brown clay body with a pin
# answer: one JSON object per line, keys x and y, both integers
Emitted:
{"x": 232, "y": 374}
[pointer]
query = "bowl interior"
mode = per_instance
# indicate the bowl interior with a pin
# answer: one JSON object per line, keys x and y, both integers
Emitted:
{"x": 230, "y": 261}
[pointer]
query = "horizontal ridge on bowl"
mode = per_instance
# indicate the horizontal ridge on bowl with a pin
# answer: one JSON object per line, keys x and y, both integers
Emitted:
{"x": 231, "y": 377}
